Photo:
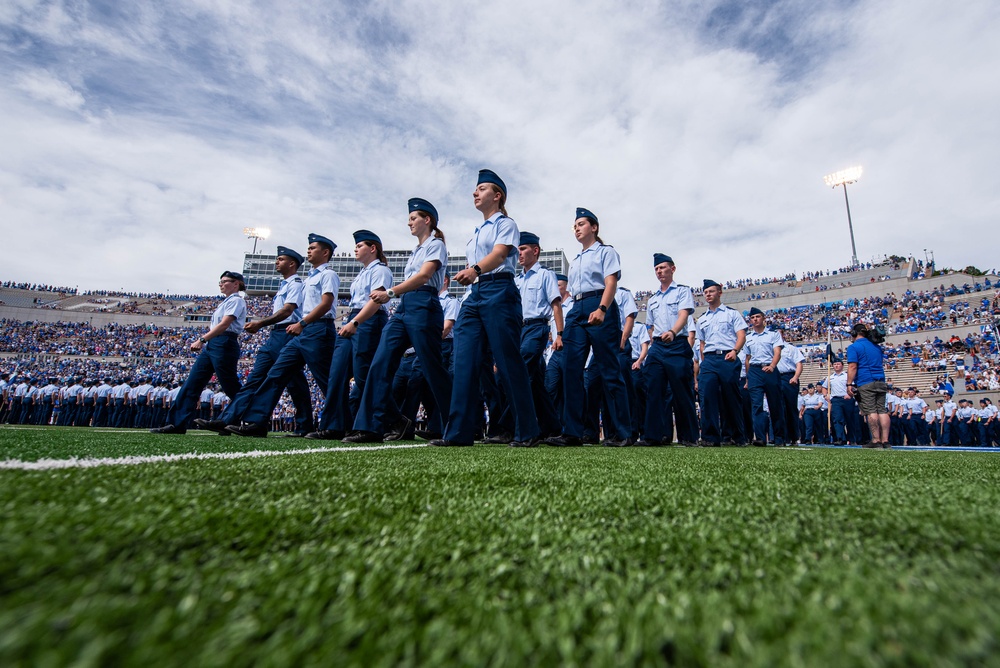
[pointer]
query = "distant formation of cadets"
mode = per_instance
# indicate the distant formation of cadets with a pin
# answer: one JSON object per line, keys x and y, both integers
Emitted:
{"x": 554, "y": 359}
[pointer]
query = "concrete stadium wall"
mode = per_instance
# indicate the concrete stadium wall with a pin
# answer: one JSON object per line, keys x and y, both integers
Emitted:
{"x": 95, "y": 319}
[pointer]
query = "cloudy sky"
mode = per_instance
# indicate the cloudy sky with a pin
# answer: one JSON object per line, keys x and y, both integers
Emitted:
{"x": 139, "y": 138}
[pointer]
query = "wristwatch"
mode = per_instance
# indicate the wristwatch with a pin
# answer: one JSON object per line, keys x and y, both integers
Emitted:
{"x": 391, "y": 293}
{"x": 479, "y": 271}
{"x": 604, "y": 309}
{"x": 203, "y": 339}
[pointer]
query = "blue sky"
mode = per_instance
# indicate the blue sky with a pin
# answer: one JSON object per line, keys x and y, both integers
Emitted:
{"x": 140, "y": 138}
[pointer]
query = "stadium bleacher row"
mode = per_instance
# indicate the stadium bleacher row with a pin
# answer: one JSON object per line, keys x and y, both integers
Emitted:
{"x": 924, "y": 317}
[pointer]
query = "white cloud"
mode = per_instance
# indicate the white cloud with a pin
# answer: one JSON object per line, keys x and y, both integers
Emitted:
{"x": 706, "y": 144}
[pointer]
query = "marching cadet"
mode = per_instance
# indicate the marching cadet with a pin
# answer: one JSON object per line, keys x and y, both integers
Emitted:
{"x": 597, "y": 403}
{"x": 314, "y": 337}
{"x": 102, "y": 404}
{"x": 357, "y": 340}
{"x": 220, "y": 357}
{"x": 554, "y": 364}
{"x": 985, "y": 424}
{"x": 490, "y": 316}
{"x": 966, "y": 418}
{"x": 722, "y": 332}
{"x": 119, "y": 396}
{"x": 789, "y": 370}
{"x": 812, "y": 415}
{"x": 639, "y": 342}
{"x": 205, "y": 403}
{"x": 285, "y": 310}
{"x": 417, "y": 322}
{"x": 669, "y": 370}
{"x": 843, "y": 409}
{"x": 948, "y": 421}
{"x": 540, "y": 302}
{"x": 593, "y": 324}
{"x": 764, "y": 348}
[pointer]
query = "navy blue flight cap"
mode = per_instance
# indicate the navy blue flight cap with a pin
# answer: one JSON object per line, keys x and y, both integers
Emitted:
{"x": 529, "y": 239}
{"x": 586, "y": 213}
{"x": 418, "y": 204}
{"x": 939, "y": 401}
{"x": 288, "y": 252}
{"x": 319, "y": 238}
{"x": 366, "y": 235}
{"x": 562, "y": 277}
{"x": 660, "y": 258}
{"x": 756, "y": 311}
{"x": 489, "y": 176}
{"x": 708, "y": 283}
{"x": 234, "y": 275}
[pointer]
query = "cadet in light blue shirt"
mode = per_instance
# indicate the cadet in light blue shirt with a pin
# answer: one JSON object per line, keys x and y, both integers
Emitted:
{"x": 669, "y": 370}
{"x": 221, "y": 354}
{"x": 357, "y": 340}
{"x": 492, "y": 311}
{"x": 593, "y": 324}
{"x": 540, "y": 301}
{"x": 722, "y": 332}
{"x": 286, "y": 309}
{"x": 763, "y": 348}
{"x": 417, "y": 322}
{"x": 313, "y": 340}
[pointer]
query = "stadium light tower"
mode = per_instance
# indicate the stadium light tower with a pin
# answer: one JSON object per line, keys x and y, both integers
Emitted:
{"x": 256, "y": 233}
{"x": 842, "y": 178}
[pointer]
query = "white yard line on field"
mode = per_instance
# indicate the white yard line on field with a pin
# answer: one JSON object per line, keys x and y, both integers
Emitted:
{"x": 77, "y": 463}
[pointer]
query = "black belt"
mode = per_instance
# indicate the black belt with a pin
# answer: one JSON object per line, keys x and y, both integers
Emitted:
{"x": 427, "y": 288}
{"x": 535, "y": 321}
{"x": 502, "y": 276}
{"x": 281, "y": 327}
{"x": 584, "y": 295}
{"x": 718, "y": 352}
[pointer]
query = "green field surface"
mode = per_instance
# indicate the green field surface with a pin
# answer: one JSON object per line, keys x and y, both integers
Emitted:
{"x": 496, "y": 556}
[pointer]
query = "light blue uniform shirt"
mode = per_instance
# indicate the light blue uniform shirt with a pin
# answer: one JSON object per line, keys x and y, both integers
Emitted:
{"x": 233, "y": 305}
{"x": 718, "y": 328}
{"x": 790, "y": 357}
{"x": 626, "y": 305}
{"x": 103, "y": 390}
{"x": 376, "y": 275}
{"x": 495, "y": 230}
{"x": 640, "y": 335}
{"x": 432, "y": 249}
{"x": 811, "y": 401}
{"x": 838, "y": 383}
{"x": 539, "y": 289}
{"x": 322, "y": 280}
{"x": 451, "y": 306}
{"x": 761, "y": 346}
{"x": 663, "y": 308}
{"x": 591, "y": 266}
{"x": 290, "y": 292}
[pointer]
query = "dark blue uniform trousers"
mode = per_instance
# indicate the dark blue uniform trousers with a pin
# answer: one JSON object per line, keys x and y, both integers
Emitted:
{"x": 719, "y": 391}
{"x": 492, "y": 311}
{"x": 844, "y": 414}
{"x": 298, "y": 387}
{"x": 604, "y": 339}
{"x": 534, "y": 340}
{"x": 789, "y": 405}
{"x": 417, "y": 322}
{"x": 669, "y": 373}
{"x": 352, "y": 358}
{"x": 762, "y": 384}
{"x": 554, "y": 381}
{"x": 416, "y": 386}
{"x": 218, "y": 357}
{"x": 314, "y": 346}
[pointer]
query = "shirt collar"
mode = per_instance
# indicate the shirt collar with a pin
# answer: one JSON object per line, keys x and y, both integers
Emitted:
{"x": 317, "y": 269}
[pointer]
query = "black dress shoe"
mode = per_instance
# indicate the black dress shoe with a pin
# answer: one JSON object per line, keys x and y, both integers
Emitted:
{"x": 325, "y": 435}
{"x": 709, "y": 444}
{"x": 644, "y": 443}
{"x": 401, "y": 431}
{"x": 218, "y": 426}
{"x": 168, "y": 429}
{"x": 363, "y": 437}
{"x": 445, "y": 443}
{"x": 689, "y": 444}
{"x": 617, "y": 442}
{"x": 590, "y": 440}
{"x": 530, "y": 443}
{"x": 252, "y": 429}
{"x": 499, "y": 439}
{"x": 759, "y": 444}
{"x": 562, "y": 441}
{"x": 427, "y": 435}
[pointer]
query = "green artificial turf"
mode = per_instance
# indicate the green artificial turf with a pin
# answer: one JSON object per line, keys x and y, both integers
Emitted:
{"x": 498, "y": 556}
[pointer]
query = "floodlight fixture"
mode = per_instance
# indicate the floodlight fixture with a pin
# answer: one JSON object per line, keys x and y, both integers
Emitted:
{"x": 257, "y": 234}
{"x": 842, "y": 178}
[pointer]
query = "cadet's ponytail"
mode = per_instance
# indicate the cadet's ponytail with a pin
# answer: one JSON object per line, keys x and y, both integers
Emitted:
{"x": 379, "y": 253}
{"x": 503, "y": 198}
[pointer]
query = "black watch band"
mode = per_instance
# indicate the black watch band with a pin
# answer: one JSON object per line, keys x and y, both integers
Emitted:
{"x": 603, "y": 308}
{"x": 479, "y": 272}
